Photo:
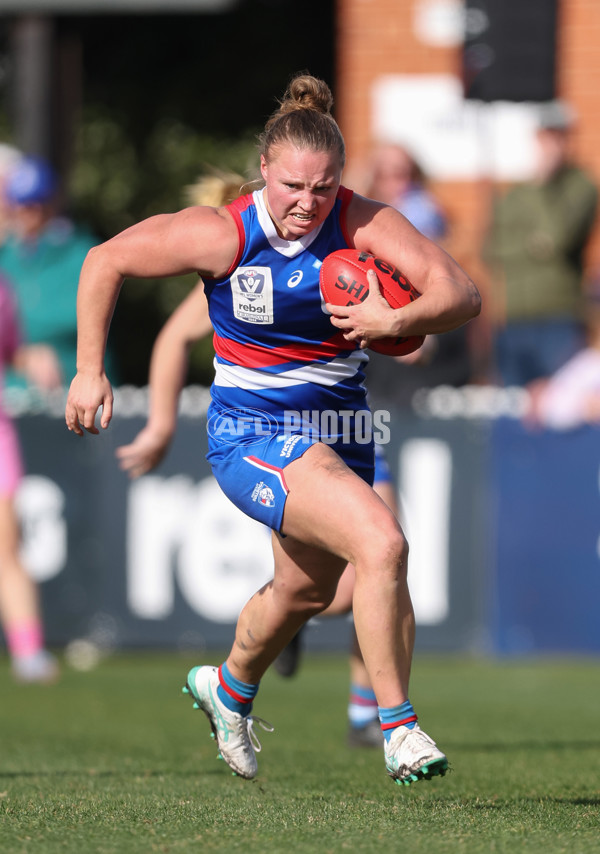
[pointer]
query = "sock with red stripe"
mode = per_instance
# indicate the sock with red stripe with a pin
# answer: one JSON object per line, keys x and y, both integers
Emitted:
{"x": 394, "y": 716}
{"x": 362, "y": 707}
{"x": 235, "y": 694}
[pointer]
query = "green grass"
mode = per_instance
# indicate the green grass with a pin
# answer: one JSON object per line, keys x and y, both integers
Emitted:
{"x": 115, "y": 760}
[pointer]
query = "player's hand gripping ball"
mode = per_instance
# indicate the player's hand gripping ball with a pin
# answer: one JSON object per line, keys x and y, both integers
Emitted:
{"x": 343, "y": 281}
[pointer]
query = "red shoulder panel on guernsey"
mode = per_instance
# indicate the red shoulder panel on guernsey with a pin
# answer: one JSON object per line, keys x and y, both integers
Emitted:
{"x": 235, "y": 208}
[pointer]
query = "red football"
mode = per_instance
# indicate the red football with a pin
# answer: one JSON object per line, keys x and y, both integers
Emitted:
{"x": 343, "y": 281}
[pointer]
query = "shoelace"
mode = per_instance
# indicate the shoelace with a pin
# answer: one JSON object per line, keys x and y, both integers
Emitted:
{"x": 422, "y": 738}
{"x": 251, "y": 720}
{"x": 417, "y": 739}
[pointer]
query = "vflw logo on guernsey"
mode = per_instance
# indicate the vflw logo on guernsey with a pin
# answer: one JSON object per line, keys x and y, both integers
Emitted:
{"x": 252, "y": 292}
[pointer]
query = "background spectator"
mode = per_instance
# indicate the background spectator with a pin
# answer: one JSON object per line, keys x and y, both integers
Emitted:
{"x": 395, "y": 177}
{"x": 535, "y": 250}
{"x": 41, "y": 256}
{"x": 571, "y": 397}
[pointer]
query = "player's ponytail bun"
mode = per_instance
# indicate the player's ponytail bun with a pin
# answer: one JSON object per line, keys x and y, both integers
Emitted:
{"x": 306, "y": 93}
{"x": 304, "y": 119}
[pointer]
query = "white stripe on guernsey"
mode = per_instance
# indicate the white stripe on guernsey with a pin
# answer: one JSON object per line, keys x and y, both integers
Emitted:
{"x": 234, "y": 376}
{"x": 289, "y": 248}
{"x": 269, "y": 470}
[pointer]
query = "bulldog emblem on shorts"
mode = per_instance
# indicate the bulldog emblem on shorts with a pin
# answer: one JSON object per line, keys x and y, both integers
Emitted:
{"x": 263, "y": 494}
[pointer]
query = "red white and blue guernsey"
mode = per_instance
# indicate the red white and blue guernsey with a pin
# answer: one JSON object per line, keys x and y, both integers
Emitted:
{"x": 285, "y": 378}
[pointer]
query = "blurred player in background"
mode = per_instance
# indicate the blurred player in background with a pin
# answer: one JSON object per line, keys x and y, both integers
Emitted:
{"x": 20, "y": 612}
{"x": 278, "y": 351}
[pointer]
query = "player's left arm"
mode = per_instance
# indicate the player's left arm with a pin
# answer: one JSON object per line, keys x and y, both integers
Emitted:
{"x": 448, "y": 299}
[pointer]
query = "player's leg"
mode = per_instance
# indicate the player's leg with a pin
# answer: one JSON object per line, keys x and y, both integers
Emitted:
{"x": 330, "y": 507}
{"x": 304, "y": 581}
{"x": 342, "y": 601}
{"x": 329, "y": 510}
{"x": 364, "y": 728}
{"x": 19, "y": 605}
{"x": 352, "y": 520}
{"x": 286, "y": 663}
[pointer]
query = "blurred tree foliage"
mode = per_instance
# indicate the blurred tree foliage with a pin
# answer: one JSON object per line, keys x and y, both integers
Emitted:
{"x": 166, "y": 98}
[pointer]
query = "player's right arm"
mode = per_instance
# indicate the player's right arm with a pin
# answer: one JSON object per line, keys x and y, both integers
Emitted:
{"x": 168, "y": 369}
{"x": 199, "y": 239}
{"x": 448, "y": 296}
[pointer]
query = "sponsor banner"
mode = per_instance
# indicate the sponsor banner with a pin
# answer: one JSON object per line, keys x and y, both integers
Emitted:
{"x": 544, "y": 568}
{"x": 502, "y": 526}
{"x": 167, "y": 560}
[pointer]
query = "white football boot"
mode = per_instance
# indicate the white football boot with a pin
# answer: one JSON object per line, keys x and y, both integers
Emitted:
{"x": 411, "y": 755}
{"x": 236, "y": 739}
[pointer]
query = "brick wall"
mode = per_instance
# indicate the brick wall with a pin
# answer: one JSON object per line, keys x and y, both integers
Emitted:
{"x": 376, "y": 37}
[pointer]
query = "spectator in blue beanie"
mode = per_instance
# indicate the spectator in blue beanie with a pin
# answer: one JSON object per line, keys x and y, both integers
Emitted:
{"x": 42, "y": 256}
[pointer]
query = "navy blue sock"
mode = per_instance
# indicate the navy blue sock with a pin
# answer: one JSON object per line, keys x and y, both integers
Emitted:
{"x": 394, "y": 716}
{"x": 235, "y": 694}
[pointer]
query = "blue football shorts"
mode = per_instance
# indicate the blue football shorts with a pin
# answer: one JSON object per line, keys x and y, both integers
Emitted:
{"x": 251, "y": 471}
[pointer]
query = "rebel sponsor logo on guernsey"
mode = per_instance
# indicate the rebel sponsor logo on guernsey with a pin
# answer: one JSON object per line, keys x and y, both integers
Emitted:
{"x": 252, "y": 294}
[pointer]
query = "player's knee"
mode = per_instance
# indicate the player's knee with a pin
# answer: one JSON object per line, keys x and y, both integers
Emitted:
{"x": 386, "y": 556}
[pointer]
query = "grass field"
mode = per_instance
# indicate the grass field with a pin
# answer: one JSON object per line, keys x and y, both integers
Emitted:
{"x": 115, "y": 760}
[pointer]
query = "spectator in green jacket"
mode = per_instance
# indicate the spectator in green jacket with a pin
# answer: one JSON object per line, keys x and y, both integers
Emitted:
{"x": 535, "y": 251}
